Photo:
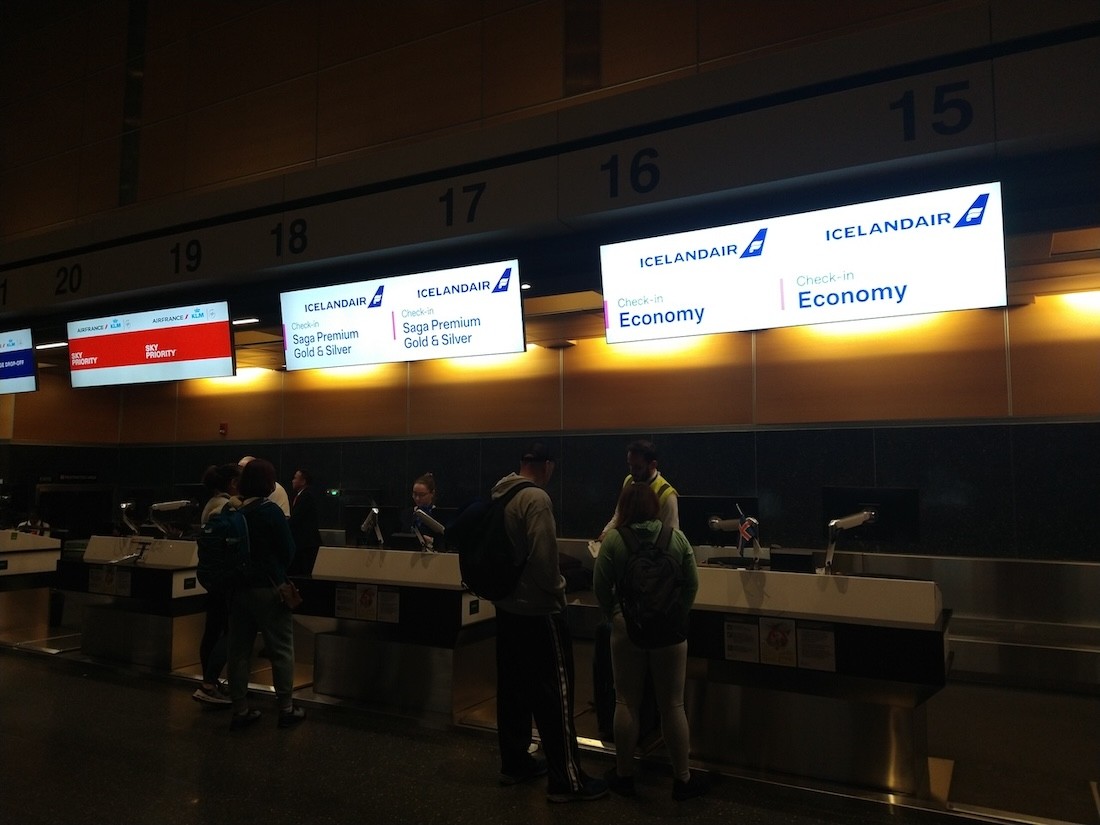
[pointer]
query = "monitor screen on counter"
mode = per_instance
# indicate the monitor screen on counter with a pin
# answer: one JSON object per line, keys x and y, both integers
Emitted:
{"x": 194, "y": 341}
{"x": 910, "y": 255}
{"x": 452, "y": 313}
{"x": 18, "y": 371}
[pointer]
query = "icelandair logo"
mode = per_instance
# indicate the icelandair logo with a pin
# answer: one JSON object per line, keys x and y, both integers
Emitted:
{"x": 971, "y": 217}
{"x": 730, "y": 250}
{"x": 975, "y": 213}
{"x": 344, "y": 303}
{"x": 466, "y": 287}
{"x": 756, "y": 245}
{"x": 505, "y": 279}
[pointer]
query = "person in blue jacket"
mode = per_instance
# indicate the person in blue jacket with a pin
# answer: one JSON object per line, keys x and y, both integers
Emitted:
{"x": 256, "y": 607}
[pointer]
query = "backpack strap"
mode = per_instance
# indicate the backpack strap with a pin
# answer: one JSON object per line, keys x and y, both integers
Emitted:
{"x": 630, "y": 538}
{"x": 507, "y": 497}
{"x": 665, "y": 538}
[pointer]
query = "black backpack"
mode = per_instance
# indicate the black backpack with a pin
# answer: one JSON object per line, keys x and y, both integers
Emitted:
{"x": 489, "y": 563}
{"x": 651, "y": 591}
{"x": 224, "y": 554}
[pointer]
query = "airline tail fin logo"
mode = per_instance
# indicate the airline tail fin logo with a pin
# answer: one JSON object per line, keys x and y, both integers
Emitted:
{"x": 376, "y": 301}
{"x": 756, "y": 247}
{"x": 505, "y": 279}
{"x": 975, "y": 213}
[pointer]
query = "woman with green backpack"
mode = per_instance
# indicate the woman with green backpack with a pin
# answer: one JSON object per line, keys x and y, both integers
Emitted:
{"x": 645, "y": 579}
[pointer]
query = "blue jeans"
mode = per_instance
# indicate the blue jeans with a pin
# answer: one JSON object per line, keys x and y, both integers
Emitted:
{"x": 255, "y": 610}
{"x": 212, "y": 648}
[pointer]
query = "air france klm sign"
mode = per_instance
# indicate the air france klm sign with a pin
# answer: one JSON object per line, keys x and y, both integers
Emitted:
{"x": 933, "y": 252}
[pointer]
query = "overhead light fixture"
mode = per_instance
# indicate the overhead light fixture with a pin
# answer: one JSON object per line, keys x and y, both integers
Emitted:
{"x": 556, "y": 343}
{"x": 53, "y": 345}
{"x": 524, "y": 286}
{"x": 238, "y": 322}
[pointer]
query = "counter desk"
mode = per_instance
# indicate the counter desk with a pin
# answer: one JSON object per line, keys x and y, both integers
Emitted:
{"x": 803, "y": 674}
{"x": 405, "y": 633}
{"x": 818, "y": 676}
{"x": 143, "y": 603}
{"x": 823, "y": 676}
{"x": 28, "y": 569}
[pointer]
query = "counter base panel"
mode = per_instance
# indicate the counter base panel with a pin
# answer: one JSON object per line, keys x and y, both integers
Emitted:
{"x": 867, "y": 744}
{"x": 35, "y": 620}
{"x": 23, "y": 609}
{"x": 402, "y": 677}
{"x": 112, "y": 631}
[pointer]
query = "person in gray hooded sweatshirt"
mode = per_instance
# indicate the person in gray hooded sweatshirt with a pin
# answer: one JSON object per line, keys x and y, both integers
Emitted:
{"x": 534, "y": 649}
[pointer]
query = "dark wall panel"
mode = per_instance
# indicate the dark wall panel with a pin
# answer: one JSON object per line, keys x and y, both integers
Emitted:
{"x": 996, "y": 490}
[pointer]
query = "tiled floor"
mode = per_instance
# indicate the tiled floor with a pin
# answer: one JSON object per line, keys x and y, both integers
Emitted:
{"x": 81, "y": 742}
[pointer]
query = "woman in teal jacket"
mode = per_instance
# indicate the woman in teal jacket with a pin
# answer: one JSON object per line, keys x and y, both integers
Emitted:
{"x": 638, "y": 507}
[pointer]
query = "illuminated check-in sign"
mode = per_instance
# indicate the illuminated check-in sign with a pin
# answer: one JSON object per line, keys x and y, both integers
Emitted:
{"x": 932, "y": 252}
{"x": 17, "y": 364}
{"x": 195, "y": 341}
{"x": 452, "y": 313}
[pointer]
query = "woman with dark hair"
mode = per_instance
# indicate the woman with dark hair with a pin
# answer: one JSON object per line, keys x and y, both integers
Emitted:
{"x": 423, "y": 498}
{"x": 638, "y": 510}
{"x": 221, "y": 485}
{"x": 256, "y": 605}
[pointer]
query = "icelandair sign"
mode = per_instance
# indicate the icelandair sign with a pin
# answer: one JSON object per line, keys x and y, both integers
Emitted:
{"x": 932, "y": 252}
{"x": 452, "y": 313}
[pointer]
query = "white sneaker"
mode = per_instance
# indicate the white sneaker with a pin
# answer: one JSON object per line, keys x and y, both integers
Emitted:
{"x": 211, "y": 696}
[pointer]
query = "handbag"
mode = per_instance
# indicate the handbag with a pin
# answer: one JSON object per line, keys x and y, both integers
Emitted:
{"x": 288, "y": 594}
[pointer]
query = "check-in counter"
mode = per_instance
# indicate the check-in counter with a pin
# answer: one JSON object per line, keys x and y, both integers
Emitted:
{"x": 821, "y": 676}
{"x": 407, "y": 636}
{"x": 28, "y": 566}
{"x": 144, "y": 605}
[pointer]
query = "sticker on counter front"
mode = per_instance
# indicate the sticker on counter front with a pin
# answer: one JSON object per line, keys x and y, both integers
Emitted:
{"x": 344, "y": 606}
{"x": 817, "y": 647}
{"x": 366, "y": 602}
{"x": 109, "y": 580}
{"x": 742, "y": 641}
{"x": 911, "y": 255}
{"x": 778, "y": 642}
{"x": 452, "y": 313}
{"x": 389, "y": 605}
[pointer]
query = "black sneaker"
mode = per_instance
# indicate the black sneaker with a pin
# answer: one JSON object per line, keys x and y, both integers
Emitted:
{"x": 591, "y": 789}
{"x": 535, "y": 769}
{"x": 697, "y": 785}
{"x": 240, "y": 721}
{"x": 622, "y": 785}
{"x": 290, "y": 718}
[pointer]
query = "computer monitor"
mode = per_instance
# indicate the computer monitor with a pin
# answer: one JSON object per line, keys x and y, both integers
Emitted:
{"x": 403, "y": 541}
